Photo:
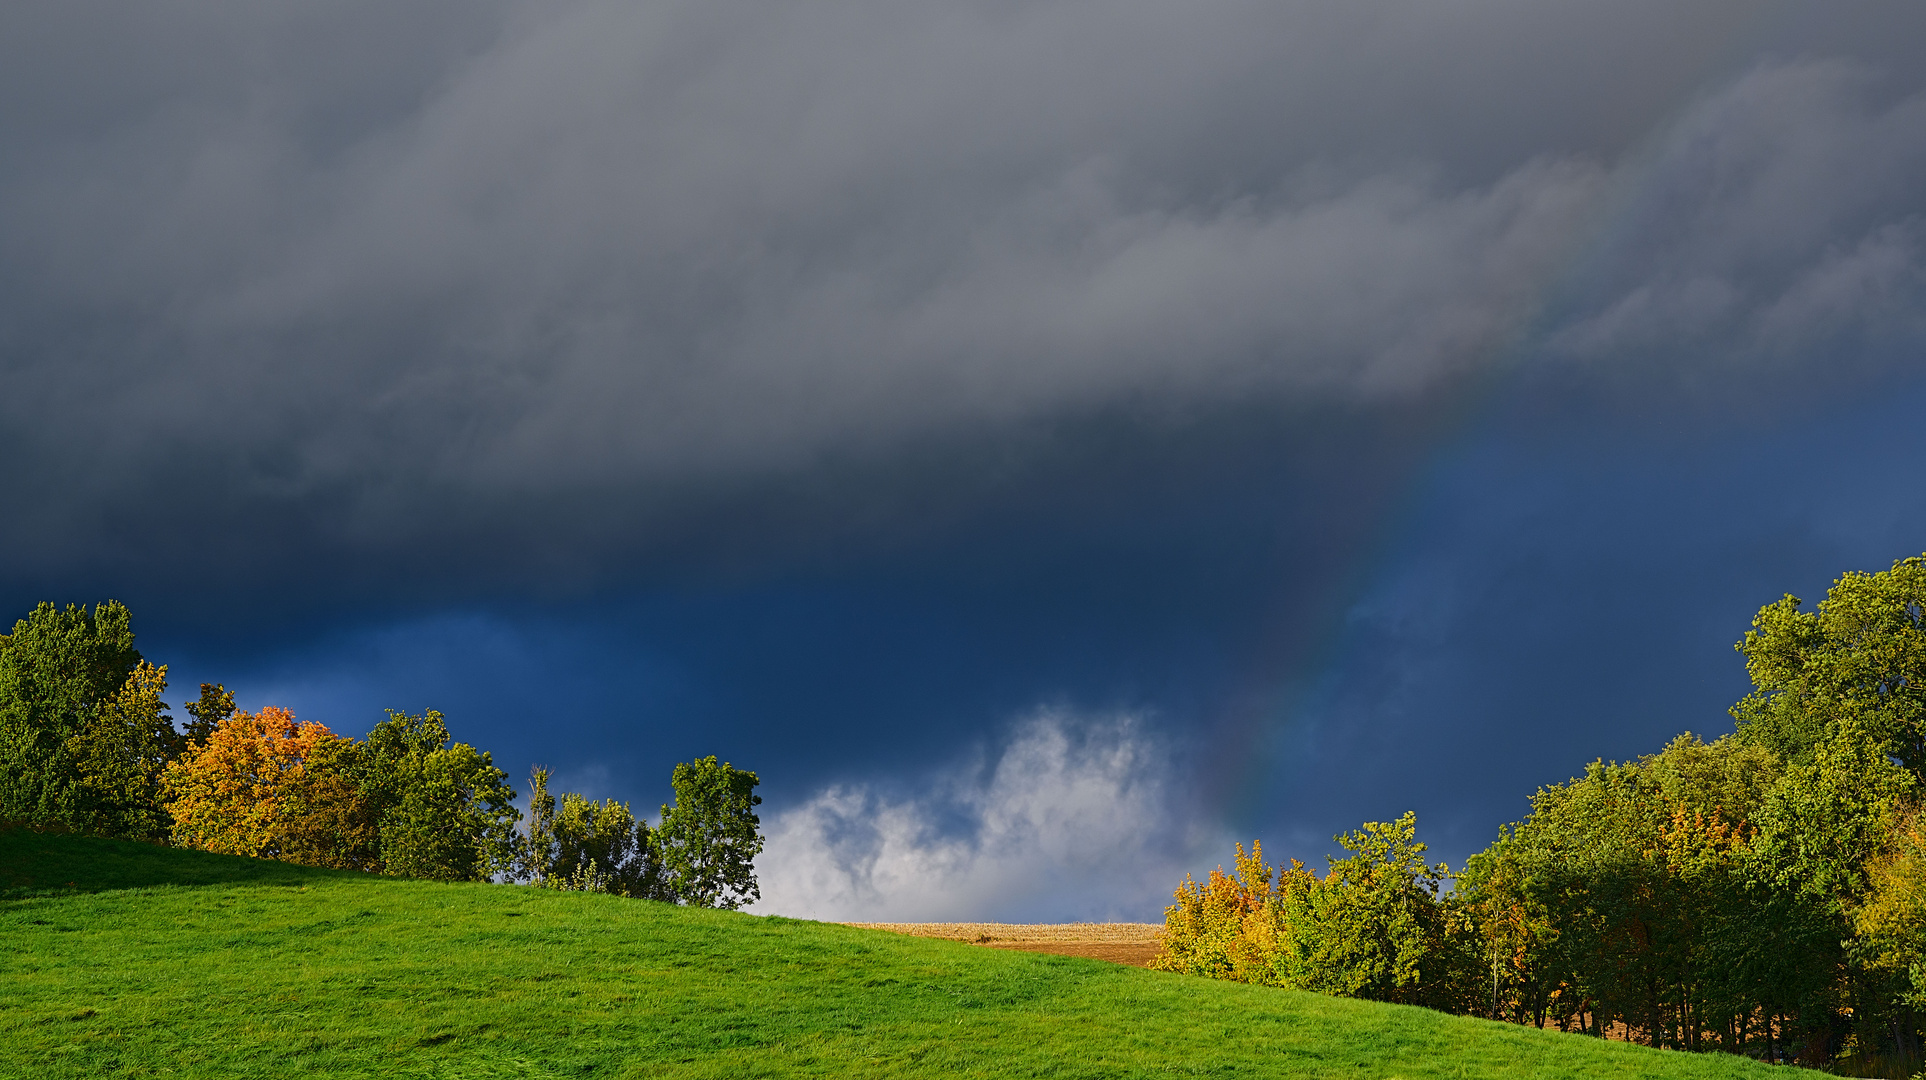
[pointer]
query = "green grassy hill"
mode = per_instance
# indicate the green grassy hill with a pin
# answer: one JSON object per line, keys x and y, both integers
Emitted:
{"x": 120, "y": 959}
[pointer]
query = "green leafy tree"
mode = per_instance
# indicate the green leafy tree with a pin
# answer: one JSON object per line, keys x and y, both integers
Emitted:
{"x": 60, "y": 669}
{"x": 1861, "y": 656}
{"x": 1839, "y": 696}
{"x": 708, "y": 841}
{"x": 1373, "y": 927}
{"x": 214, "y": 706}
{"x": 1821, "y": 835}
{"x": 1508, "y": 911}
{"x": 1633, "y": 895}
{"x": 583, "y": 845}
{"x": 443, "y": 811}
{"x": 389, "y": 748}
{"x": 1831, "y": 813}
{"x": 118, "y": 759}
{"x": 1760, "y": 893}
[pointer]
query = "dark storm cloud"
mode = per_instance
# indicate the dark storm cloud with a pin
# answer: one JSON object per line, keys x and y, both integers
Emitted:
{"x": 1040, "y": 435}
{"x": 359, "y": 277}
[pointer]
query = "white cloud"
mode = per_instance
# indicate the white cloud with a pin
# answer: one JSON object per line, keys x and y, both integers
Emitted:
{"x": 1073, "y": 819}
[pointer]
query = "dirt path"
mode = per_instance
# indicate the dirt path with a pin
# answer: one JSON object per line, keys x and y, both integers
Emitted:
{"x": 1120, "y": 943}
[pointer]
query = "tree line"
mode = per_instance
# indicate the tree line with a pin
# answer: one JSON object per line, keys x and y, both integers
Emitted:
{"x": 87, "y": 744}
{"x": 1763, "y": 893}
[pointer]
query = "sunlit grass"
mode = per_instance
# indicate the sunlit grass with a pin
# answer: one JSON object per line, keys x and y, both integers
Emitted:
{"x": 258, "y": 969}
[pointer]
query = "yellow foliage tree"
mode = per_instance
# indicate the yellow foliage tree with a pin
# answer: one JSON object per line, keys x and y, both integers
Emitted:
{"x": 1893, "y": 921}
{"x": 1227, "y": 927}
{"x": 265, "y": 786}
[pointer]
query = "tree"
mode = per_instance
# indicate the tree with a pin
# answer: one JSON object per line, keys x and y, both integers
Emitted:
{"x": 708, "y": 841}
{"x": 214, "y": 706}
{"x": 118, "y": 758}
{"x": 1640, "y": 886}
{"x": 1641, "y": 893}
{"x": 1228, "y": 926}
{"x": 1510, "y": 908}
{"x": 1892, "y": 923}
{"x": 57, "y": 668}
{"x": 1860, "y": 656}
{"x": 588, "y": 846}
{"x": 442, "y": 808}
{"x": 1839, "y": 696}
{"x": 1831, "y": 813}
{"x": 1372, "y": 927}
{"x": 265, "y": 786}
{"x": 1762, "y": 892}
{"x": 408, "y": 801}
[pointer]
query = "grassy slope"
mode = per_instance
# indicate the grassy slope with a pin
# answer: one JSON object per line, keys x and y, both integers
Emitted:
{"x": 126, "y": 960}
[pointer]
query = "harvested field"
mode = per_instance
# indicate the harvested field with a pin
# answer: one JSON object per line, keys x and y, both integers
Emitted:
{"x": 991, "y": 933}
{"x": 1134, "y": 953}
{"x": 1120, "y": 943}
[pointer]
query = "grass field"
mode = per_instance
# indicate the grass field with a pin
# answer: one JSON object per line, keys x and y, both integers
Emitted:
{"x": 126, "y": 960}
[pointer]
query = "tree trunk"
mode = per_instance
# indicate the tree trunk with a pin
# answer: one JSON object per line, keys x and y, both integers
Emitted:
{"x": 1814, "y": 1052}
{"x": 1654, "y": 1023}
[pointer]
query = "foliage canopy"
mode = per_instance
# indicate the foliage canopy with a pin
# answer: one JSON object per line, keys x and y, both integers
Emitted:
{"x": 708, "y": 841}
{"x": 1758, "y": 893}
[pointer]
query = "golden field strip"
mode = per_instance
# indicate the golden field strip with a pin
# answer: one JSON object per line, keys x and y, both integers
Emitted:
{"x": 986, "y": 933}
{"x": 1120, "y": 943}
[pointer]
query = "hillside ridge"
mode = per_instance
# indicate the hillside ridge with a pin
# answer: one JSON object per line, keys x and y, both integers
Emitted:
{"x": 240, "y": 968}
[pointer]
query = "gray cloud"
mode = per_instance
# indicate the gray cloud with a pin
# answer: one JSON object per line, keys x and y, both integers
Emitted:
{"x": 383, "y": 264}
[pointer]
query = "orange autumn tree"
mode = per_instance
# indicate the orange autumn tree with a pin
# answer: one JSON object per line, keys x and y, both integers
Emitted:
{"x": 265, "y": 786}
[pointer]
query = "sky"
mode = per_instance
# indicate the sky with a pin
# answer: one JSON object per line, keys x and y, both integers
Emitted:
{"x": 1048, "y": 442}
